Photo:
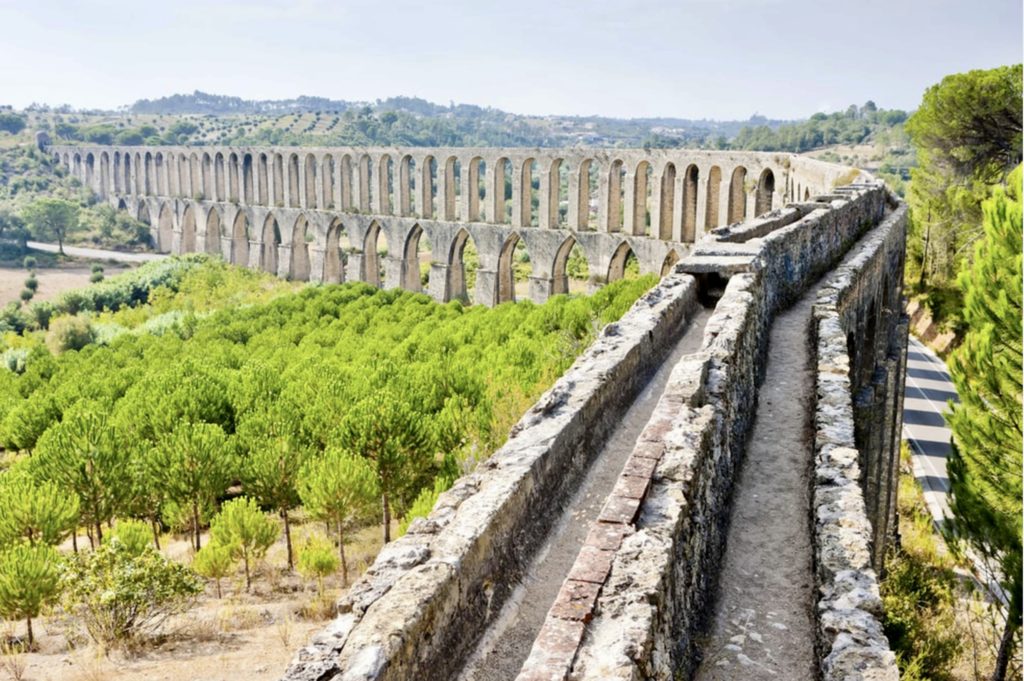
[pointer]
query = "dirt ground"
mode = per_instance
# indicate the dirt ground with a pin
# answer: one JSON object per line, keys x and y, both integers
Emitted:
{"x": 252, "y": 636}
{"x": 52, "y": 280}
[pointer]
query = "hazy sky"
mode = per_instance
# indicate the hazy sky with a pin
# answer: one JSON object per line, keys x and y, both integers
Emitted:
{"x": 630, "y": 58}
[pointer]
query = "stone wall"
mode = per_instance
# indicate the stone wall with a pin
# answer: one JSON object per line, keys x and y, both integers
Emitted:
{"x": 640, "y": 588}
{"x": 860, "y": 348}
{"x": 422, "y": 605}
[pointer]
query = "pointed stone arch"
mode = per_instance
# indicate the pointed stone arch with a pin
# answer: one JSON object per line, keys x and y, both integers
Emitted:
{"x": 334, "y": 254}
{"x": 165, "y": 228}
{"x": 271, "y": 240}
{"x": 560, "y": 268}
{"x": 457, "y": 287}
{"x": 372, "y": 263}
{"x": 691, "y": 178}
{"x": 411, "y": 258}
{"x": 713, "y": 199}
{"x": 302, "y": 233}
{"x": 310, "y": 177}
{"x": 667, "y": 202}
{"x": 211, "y": 243}
{"x": 188, "y": 230}
{"x": 619, "y": 266}
{"x": 765, "y": 192}
{"x": 737, "y": 195}
{"x": 240, "y": 240}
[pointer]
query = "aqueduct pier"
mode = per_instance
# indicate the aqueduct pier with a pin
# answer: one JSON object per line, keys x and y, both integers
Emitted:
{"x": 674, "y": 397}
{"x": 337, "y": 214}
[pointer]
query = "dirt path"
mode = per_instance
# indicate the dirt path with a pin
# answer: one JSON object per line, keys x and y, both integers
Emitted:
{"x": 763, "y": 625}
{"x": 506, "y": 645}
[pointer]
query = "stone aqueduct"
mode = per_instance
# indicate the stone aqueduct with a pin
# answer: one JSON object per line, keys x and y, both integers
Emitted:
{"x": 637, "y": 600}
{"x": 290, "y": 211}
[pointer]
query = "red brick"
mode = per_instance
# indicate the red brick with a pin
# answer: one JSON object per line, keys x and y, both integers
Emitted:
{"x": 619, "y": 510}
{"x": 575, "y": 600}
{"x": 553, "y": 650}
{"x": 606, "y": 536}
{"x": 592, "y": 565}
{"x": 639, "y": 466}
{"x": 631, "y": 486}
{"x": 649, "y": 449}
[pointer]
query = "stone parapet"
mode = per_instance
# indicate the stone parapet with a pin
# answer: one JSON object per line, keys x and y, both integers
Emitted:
{"x": 861, "y": 303}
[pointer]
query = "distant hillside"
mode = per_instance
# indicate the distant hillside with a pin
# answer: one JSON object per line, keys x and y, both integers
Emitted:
{"x": 411, "y": 120}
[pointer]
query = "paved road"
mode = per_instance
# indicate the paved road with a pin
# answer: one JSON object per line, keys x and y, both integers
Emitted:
{"x": 97, "y": 254}
{"x": 926, "y": 398}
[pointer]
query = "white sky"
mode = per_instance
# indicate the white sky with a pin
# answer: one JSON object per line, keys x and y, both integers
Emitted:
{"x": 723, "y": 59}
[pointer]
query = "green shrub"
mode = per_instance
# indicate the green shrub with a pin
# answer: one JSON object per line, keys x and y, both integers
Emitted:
{"x": 246, "y": 530}
{"x": 68, "y": 333}
{"x": 318, "y": 559}
{"x": 29, "y": 262}
{"x": 135, "y": 535}
{"x": 27, "y": 294}
{"x": 120, "y": 596}
{"x": 96, "y": 277}
{"x": 215, "y": 561}
{"x": 32, "y": 284}
{"x": 28, "y": 581}
{"x": 920, "y": 606}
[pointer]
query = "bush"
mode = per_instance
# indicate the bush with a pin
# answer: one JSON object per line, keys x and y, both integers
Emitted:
{"x": 27, "y": 295}
{"x": 920, "y": 609}
{"x": 120, "y": 595}
{"x": 318, "y": 559}
{"x": 247, "y": 531}
{"x": 28, "y": 581}
{"x": 215, "y": 562}
{"x": 32, "y": 284}
{"x": 29, "y": 262}
{"x": 96, "y": 277}
{"x": 68, "y": 333}
{"x": 135, "y": 535}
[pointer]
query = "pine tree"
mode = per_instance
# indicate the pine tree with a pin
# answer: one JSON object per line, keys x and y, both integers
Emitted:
{"x": 985, "y": 469}
{"x": 80, "y": 454}
{"x": 36, "y": 512}
{"x": 28, "y": 581}
{"x": 338, "y": 488}
{"x": 385, "y": 430}
{"x": 275, "y": 452}
{"x": 214, "y": 562}
{"x": 248, "y": 532}
{"x": 193, "y": 465}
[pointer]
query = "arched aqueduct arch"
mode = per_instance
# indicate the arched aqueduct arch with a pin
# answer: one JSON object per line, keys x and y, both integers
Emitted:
{"x": 245, "y": 202}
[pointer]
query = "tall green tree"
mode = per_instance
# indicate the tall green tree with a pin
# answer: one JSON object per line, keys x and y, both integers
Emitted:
{"x": 52, "y": 218}
{"x": 194, "y": 464}
{"x": 967, "y": 133}
{"x": 338, "y": 488}
{"x": 28, "y": 581}
{"x": 985, "y": 469}
{"x": 38, "y": 512}
{"x": 274, "y": 451}
{"x": 385, "y": 430}
{"x": 81, "y": 455}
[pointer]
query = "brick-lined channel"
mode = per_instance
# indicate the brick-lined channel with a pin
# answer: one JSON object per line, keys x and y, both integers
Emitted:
{"x": 506, "y": 645}
{"x": 762, "y": 626}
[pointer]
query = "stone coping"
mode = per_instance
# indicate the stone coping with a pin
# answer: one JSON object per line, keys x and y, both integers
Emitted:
{"x": 852, "y": 645}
